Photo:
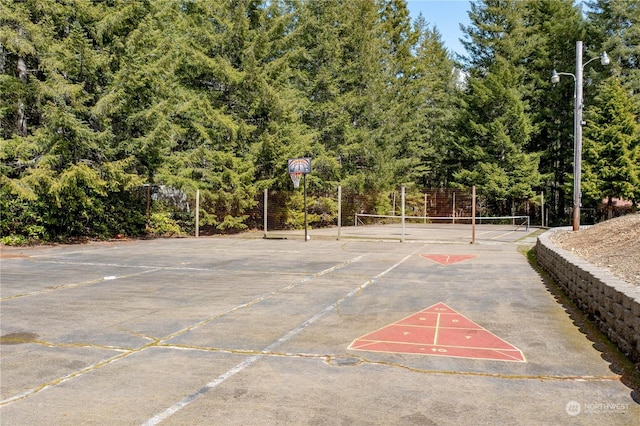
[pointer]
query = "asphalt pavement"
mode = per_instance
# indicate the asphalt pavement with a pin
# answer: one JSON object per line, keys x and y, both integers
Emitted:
{"x": 237, "y": 331}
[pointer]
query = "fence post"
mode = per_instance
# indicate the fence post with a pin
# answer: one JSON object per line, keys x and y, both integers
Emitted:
{"x": 339, "y": 210}
{"x": 425, "y": 207}
{"x": 453, "y": 212}
{"x": 403, "y": 200}
{"x": 394, "y": 203}
{"x": 542, "y": 209}
{"x": 264, "y": 214}
{"x": 197, "y": 213}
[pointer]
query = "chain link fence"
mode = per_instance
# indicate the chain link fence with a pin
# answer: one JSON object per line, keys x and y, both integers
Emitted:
{"x": 285, "y": 209}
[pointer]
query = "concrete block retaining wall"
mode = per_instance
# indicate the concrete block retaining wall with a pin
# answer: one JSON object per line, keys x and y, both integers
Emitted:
{"x": 614, "y": 304}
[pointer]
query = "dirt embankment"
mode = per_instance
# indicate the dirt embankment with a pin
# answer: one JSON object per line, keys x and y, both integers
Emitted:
{"x": 613, "y": 244}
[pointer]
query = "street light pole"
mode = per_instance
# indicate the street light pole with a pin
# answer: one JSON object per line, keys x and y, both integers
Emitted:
{"x": 577, "y": 127}
{"x": 577, "y": 148}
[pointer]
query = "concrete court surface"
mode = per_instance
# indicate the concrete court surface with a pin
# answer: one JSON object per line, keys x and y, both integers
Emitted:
{"x": 238, "y": 331}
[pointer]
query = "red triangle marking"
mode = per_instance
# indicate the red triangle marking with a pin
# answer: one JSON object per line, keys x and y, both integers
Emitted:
{"x": 448, "y": 259}
{"x": 438, "y": 330}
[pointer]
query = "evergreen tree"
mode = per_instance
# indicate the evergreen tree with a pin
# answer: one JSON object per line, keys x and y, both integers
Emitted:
{"x": 614, "y": 26}
{"x": 556, "y": 25}
{"x": 101, "y": 97}
{"x": 611, "y": 147}
{"x": 431, "y": 95}
{"x": 342, "y": 77}
{"x": 493, "y": 131}
{"x": 173, "y": 100}
{"x": 418, "y": 98}
{"x": 55, "y": 161}
{"x": 276, "y": 98}
{"x": 495, "y": 127}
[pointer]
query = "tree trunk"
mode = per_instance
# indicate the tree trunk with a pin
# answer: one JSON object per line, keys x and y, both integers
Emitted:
{"x": 21, "y": 121}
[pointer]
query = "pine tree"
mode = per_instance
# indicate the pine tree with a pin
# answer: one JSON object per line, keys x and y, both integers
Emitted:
{"x": 555, "y": 25}
{"x": 611, "y": 147}
{"x": 342, "y": 78}
{"x": 495, "y": 126}
{"x": 416, "y": 103}
{"x": 275, "y": 98}
{"x": 429, "y": 98}
{"x": 614, "y": 26}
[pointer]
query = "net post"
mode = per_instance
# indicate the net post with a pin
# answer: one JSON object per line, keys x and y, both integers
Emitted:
{"x": 394, "y": 203}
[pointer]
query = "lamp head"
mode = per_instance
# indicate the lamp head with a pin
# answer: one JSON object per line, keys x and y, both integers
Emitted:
{"x": 604, "y": 58}
{"x": 555, "y": 78}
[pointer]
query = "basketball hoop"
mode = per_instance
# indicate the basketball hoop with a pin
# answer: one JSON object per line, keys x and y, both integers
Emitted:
{"x": 295, "y": 177}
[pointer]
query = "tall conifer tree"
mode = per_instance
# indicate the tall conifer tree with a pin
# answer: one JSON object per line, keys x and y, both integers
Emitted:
{"x": 495, "y": 126}
{"x": 56, "y": 155}
{"x": 612, "y": 147}
{"x": 556, "y": 25}
{"x": 614, "y": 27}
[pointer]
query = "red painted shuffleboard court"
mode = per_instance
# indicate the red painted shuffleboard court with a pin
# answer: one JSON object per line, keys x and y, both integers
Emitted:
{"x": 448, "y": 259}
{"x": 438, "y": 330}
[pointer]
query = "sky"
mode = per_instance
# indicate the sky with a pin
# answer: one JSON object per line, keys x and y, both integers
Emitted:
{"x": 446, "y": 16}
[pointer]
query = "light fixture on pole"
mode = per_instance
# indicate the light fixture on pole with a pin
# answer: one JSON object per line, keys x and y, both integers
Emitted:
{"x": 577, "y": 126}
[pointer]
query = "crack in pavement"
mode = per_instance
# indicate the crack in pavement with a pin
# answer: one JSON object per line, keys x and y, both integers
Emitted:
{"x": 159, "y": 341}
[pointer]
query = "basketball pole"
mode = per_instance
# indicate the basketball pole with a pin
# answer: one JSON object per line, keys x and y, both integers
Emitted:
{"x": 297, "y": 167}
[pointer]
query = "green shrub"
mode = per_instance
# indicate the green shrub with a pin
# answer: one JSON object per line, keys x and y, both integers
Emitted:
{"x": 13, "y": 240}
{"x": 161, "y": 224}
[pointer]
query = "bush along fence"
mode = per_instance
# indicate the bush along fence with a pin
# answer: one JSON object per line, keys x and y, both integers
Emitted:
{"x": 276, "y": 210}
{"x": 163, "y": 211}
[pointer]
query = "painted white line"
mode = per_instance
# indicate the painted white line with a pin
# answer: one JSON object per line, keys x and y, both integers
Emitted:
{"x": 73, "y": 375}
{"x": 67, "y": 377}
{"x": 435, "y": 336}
{"x": 260, "y": 298}
{"x": 502, "y": 235}
{"x": 249, "y": 361}
{"x": 64, "y": 253}
{"x": 75, "y": 285}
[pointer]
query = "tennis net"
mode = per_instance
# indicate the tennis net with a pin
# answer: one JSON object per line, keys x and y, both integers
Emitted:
{"x": 509, "y": 223}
